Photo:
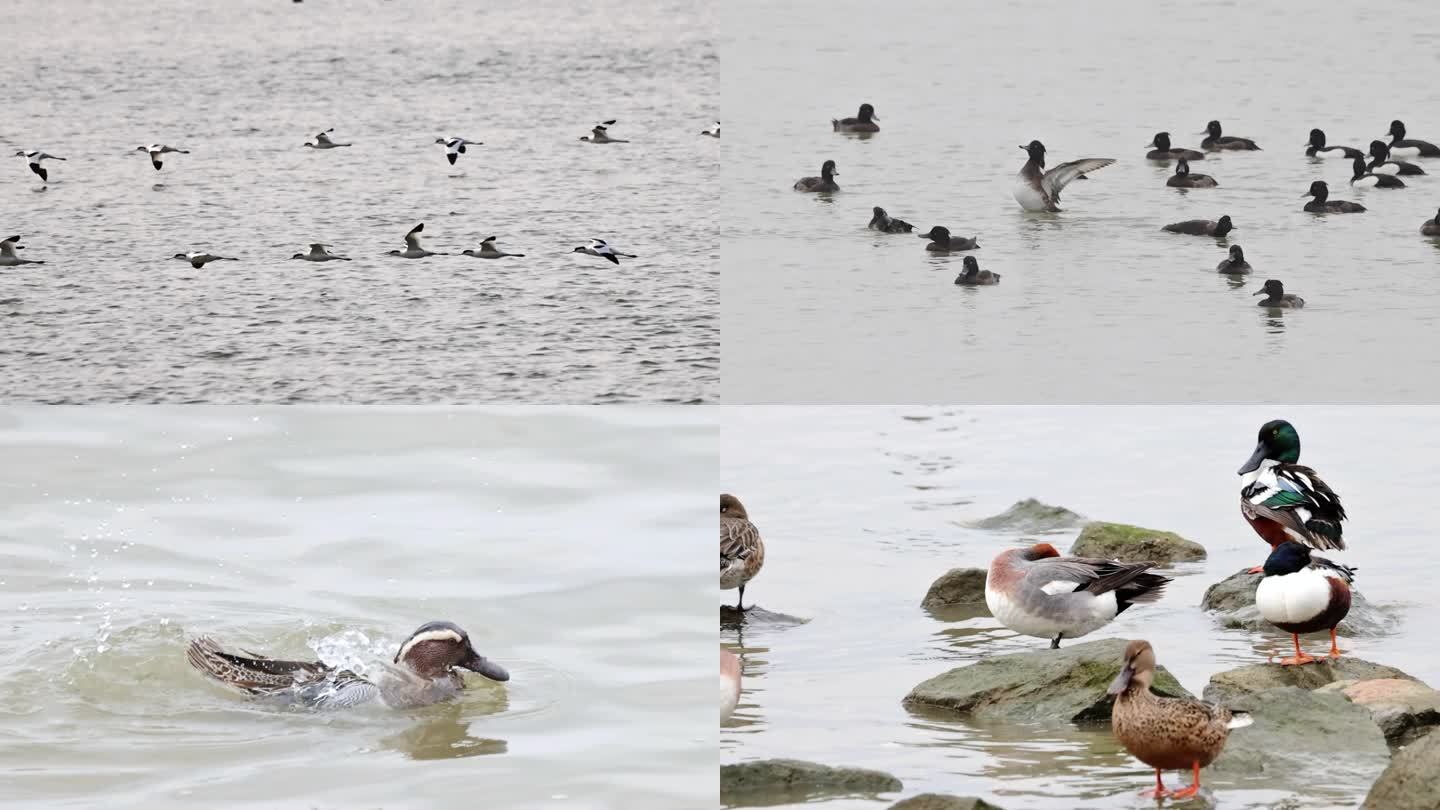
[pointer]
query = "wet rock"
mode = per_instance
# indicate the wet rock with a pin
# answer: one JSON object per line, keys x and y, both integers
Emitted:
{"x": 1253, "y": 678}
{"x": 756, "y": 616}
{"x": 1405, "y": 710}
{"x": 1304, "y": 734}
{"x": 1118, "y": 541}
{"x": 1233, "y": 598}
{"x": 958, "y": 586}
{"x": 943, "y": 801}
{"x": 1409, "y": 783}
{"x": 1064, "y": 685}
{"x": 769, "y": 781}
{"x": 1030, "y": 517}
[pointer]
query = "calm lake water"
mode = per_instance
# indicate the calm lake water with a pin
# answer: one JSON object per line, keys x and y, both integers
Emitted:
{"x": 815, "y": 303}
{"x": 564, "y": 540}
{"x": 242, "y": 85}
{"x": 861, "y": 509}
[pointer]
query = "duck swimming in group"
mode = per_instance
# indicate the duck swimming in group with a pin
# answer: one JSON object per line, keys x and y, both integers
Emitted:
{"x": 1401, "y": 145}
{"x": 413, "y": 250}
{"x": 1036, "y": 592}
{"x": 824, "y": 183}
{"x": 863, "y": 122}
{"x": 1277, "y": 298}
{"x": 1235, "y": 265}
{"x": 1382, "y": 163}
{"x": 973, "y": 276}
{"x": 8, "y": 257}
{"x": 1202, "y": 227}
{"x": 423, "y": 672}
{"x": 1163, "y": 150}
{"x": 1317, "y": 145}
{"x": 1283, "y": 500}
{"x": 1039, "y": 190}
{"x": 1322, "y": 204}
{"x": 1303, "y": 593}
{"x": 1364, "y": 177}
{"x": 1215, "y": 142}
{"x": 882, "y": 221}
{"x": 1182, "y": 178}
{"x": 942, "y": 242}
{"x": 1168, "y": 734}
{"x": 1431, "y": 226}
{"x": 742, "y": 552}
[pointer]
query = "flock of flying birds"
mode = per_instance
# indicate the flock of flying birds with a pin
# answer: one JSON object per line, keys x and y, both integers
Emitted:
{"x": 1038, "y": 189}
{"x": 454, "y": 148}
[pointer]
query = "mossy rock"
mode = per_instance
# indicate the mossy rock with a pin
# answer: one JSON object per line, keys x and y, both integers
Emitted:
{"x": 1119, "y": 541}
{"x": 1067, "y": 685}
{"x": 1030, "y": 517}
{"x": 1304, "y": 735}
{"x": 958, "y": 586}
{"x": 1254, "y": 678}
{"x": 943, "y": 801}
{"x": 775, "y": 781}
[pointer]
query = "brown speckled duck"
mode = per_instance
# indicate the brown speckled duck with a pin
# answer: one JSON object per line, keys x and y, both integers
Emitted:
{"x": 1162, "y": 732}
{"x": 424, "y": 672}
{"x": 742, "y": 552}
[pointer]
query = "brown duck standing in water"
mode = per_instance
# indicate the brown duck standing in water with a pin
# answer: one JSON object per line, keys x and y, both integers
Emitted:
{"x": 1162, "y": 732}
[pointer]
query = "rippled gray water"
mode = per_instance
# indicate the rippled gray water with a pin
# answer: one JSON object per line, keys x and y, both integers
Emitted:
{"x": 862, "y": 508}
{"x": 564, "y": 541}
{"x": 1094, "y": 303}
{"x": 242, "y": 85}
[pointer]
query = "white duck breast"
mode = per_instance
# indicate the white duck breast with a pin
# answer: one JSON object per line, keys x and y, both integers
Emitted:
{"x": 1075, "y": 615}
{"x": 1293, "y": 598}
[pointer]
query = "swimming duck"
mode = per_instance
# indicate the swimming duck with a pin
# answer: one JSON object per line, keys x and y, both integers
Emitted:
{"x": 864, "y": 122}
{"x": 318, "y": 254}
{"x": 1431, "y": 226}
{"x": 1400, "y": 145}
{"x": 1303, "y": 593}
{"x": 1036, "y": 592}
{"x": 199, "y": 260}
{"x": 941, "y": 241}
{"x": 1277, "y": 298}
{"x": 1202, "y": 227}
{"x": 322, "y": 141}
{"x": 1364, "y": 177}
{"x": 8, "y": 246}
{"x": 424, "y": 671}
{"x": 742, "y": 552}
{"x": 1381, "y": 162}
{"x": 1317, "y": 145}
{"x": 1163, "y": 150}
{"x": 158, "y": 149}
{"x": 601, "y": 133}
{"x": 455, "y": 147}
{"x": 34, "y": 156}
{"x": 1215, "y": 142}
{"x": 1235, "y": 265}
{"x": 412, "y": 246}
{"x": 884, "y": 222}
{"x": 1322, "y": 204}
{"x": 1182, "y": 178}
{"x": 825, "y": 182}
{"x": 489, "y": 251}
{"x": 729, "y": 683}
{"x": 1168, "y": 734}
{"x": 1283, "y": 500}
{"x": 1039, "y": 190}
{"x": 973, "y": 276}
{"x": 713, "y": 131}
{"x": 598, "y": 247}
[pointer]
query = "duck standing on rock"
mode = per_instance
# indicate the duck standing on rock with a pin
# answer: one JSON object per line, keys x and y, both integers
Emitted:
{"x": 1163, "y": 732}
{"x": 1302, "y": 593}
{"x": 1036, "y": 592}
{"x": 742, "y": 552}
{"x": 1283, "y": 500}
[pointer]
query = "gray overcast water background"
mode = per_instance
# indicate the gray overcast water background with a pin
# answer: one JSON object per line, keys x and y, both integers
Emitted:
{"x": 564, "y": 540}
{"x": 110, "y": 317}
{"x": 1095, "y": 303}
{"x": 862, "y": 508}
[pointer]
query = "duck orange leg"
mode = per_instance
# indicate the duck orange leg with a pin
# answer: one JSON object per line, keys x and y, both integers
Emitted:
{"x": 1159, "y": 792}
{"x": 1334, "y": 645}
{"x": 1300, "y": 657}
{"x": 1185, "y": 793}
